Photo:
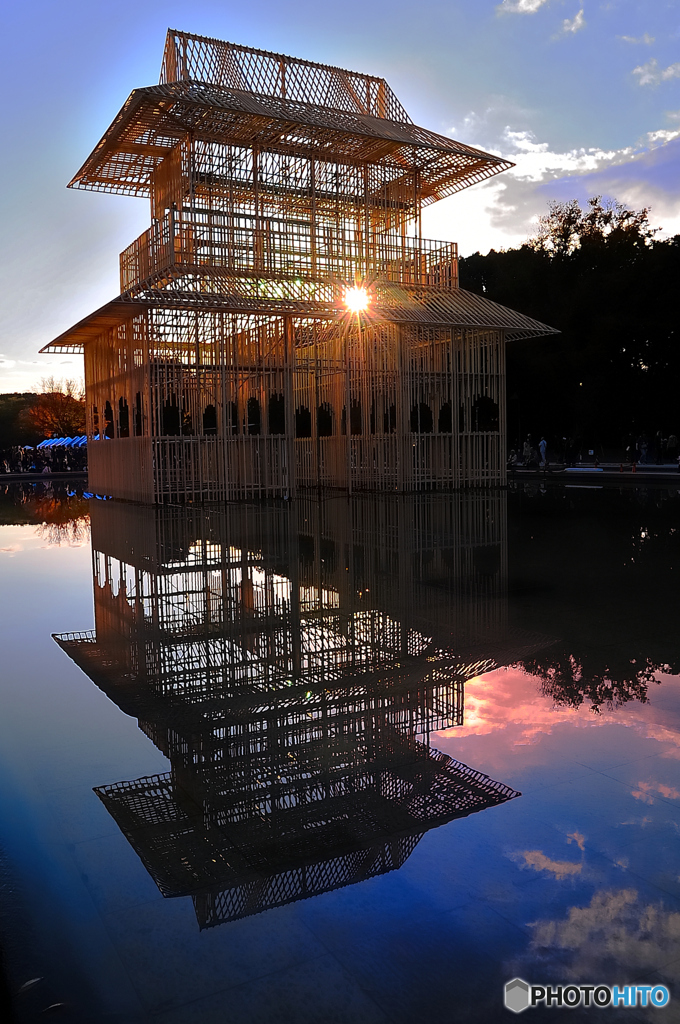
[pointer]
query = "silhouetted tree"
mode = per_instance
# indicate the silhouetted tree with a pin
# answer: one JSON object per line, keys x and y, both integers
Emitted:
{"x": 601, "y": 277}
{"x": 566, "y": 227}
{"x": 59, "y": 410}
{"x": 595, "y": 573}
{"x": 62, "y": 516}
{"x": 587, "y": 678}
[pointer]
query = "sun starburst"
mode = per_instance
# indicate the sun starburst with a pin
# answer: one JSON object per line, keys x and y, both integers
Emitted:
{"x": 356, "y": 299}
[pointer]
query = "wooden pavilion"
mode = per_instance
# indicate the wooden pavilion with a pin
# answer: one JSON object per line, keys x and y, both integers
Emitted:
{"x": 283, "y": 324}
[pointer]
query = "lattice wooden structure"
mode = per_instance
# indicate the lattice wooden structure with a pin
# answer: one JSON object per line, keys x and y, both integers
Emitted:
{"x": 229, "y": 366}
{"x": 292, "y": 661}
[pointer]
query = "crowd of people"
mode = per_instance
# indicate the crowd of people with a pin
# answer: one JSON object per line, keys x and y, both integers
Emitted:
{"x": 658, "y": 451}
{"x": 529, "y": 456}
{"x": 43, "y": 460}
{"x": 639, "y": 450}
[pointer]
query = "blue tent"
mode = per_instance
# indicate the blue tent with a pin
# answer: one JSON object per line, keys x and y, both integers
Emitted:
{"x": 64, "y": 442}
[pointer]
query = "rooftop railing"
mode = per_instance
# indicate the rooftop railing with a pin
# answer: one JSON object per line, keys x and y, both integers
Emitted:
{"x": 279, "y": 250}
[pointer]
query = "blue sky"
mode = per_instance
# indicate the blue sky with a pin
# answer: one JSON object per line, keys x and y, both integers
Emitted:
{"x": 584, "y": 95}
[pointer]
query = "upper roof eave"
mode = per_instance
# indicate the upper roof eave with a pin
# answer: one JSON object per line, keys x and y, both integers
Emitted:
{"x": 163, "y": 114}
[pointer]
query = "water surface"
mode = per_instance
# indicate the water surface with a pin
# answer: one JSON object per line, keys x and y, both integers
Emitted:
{"x": 338, "y": 760}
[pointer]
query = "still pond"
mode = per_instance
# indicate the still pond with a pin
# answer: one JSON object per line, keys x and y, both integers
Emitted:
{"x": 356, "y": 761}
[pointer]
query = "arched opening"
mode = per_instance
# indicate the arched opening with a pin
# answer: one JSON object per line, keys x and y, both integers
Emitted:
{"x": 328, "y": 554}
{"x": 485, "y": 414}
{"x": 170, "y": 419}
{"x": 324, "y": 420}
{"x": 138, "y": 415}
{"x": 303, "y": 422}
{"x": 487, "y": 559}
{"x": 306, "y": 550}
{"x": 355, "y": 418}
{"x": 445, "y": 421}
{"x": 277, "y": 414}
{"x": 187, "y": 423}
{"x": 231, "y": 418}
{"x": 390, "y": 419}
{"x": 108, "y": 420}
{"x": 253, "y": 416}
{"x": 210, "y": 420}
{"x": 421, "y": 419}
{"x": 123, "y": 418}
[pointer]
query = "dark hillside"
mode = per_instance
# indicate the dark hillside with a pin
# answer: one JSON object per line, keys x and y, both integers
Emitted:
{"x": 15, "y": 428}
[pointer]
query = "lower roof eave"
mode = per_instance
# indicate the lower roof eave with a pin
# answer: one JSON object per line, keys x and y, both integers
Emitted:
{"x": 92, "y": 326}
{"x": 456, "y": 308}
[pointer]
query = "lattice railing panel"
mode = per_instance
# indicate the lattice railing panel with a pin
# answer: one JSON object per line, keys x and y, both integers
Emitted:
{"x": 284, "y": 251}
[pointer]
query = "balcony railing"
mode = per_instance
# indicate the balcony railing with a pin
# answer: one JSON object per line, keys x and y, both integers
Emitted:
{"x": 283, "y": 250}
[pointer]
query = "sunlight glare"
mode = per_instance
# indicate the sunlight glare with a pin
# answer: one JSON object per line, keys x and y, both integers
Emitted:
{"x": 356, "y": 299}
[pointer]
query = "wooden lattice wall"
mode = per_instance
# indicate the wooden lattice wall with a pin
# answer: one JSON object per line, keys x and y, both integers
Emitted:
{"x": 206, "y": 405}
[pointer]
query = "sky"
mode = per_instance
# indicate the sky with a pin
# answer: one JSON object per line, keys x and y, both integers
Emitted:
{"x": 583, "y": 95}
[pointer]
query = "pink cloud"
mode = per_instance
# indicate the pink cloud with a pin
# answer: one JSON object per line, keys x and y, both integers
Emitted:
{"x": 504, "y": 710}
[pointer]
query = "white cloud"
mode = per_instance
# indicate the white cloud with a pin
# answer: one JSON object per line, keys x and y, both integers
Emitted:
{"x": 23, "y": 374}
{"x": 520, "y": 6}
{"x": 537, "y": 860}
{"x": 665, "y": 205}
{"x": 535, "y": 161}
{"x": 651, "y": 74}
{"x": 616, "y": 927}
{"x": 576, "y": 23}
{"x": 505, "y": 210}
{"x": 662, "y": 136}
{"x": 646, "y": 39}
{"x": 578, "y": 838}
{"x": 645, "y": 790}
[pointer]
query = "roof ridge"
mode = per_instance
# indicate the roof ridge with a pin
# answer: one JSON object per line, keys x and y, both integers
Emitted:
{"x": 191, "y": 57}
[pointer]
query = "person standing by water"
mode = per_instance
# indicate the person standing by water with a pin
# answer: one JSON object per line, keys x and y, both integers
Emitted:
{"x": 543, "y": 447}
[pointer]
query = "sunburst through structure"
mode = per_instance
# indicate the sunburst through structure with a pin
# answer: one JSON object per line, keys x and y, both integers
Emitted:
{"x": 228, "y": 367}
{"x": 357, "y": 299}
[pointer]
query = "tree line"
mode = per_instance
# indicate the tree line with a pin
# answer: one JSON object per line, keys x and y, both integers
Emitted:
{"x": 56, "y": 409}
{"x": 602, "y": 278}
{"x": 611, "y": 377}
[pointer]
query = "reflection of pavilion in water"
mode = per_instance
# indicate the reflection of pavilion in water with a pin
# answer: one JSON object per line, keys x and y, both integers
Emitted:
{"x": 291, "y": 661}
